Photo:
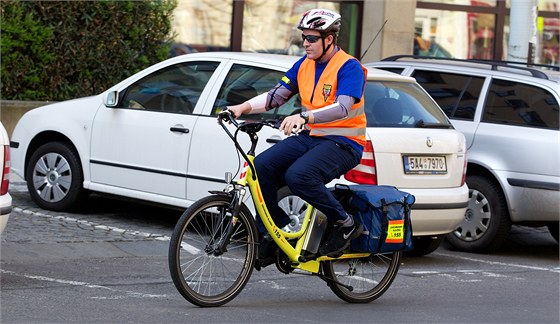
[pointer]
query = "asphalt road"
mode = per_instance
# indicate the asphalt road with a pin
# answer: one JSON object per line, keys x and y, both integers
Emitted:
{"x": 108, "y": 264}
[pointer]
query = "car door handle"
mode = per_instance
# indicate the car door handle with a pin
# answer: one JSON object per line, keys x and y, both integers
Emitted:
{"x": 179, "y": 129}
{"x": 273, "y": 140}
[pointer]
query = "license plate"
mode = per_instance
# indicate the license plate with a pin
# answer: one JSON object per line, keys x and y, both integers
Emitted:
{"x": 418, "y": 164}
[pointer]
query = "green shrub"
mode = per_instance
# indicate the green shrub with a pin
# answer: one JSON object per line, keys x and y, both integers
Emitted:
{"x": 57, "y": 50}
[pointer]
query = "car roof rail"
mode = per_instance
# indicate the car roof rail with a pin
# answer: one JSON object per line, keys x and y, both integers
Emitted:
{"x": 494, "y": 64}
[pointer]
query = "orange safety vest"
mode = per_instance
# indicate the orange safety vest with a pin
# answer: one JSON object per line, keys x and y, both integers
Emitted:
{"x": 324, "y": 94}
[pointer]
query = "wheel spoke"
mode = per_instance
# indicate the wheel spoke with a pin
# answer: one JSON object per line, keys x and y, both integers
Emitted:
{"x": 41, "y": 167}
{"x": 51, "y": 160}
{"x": 369, "y": 277}
{"x": 201, "y": 273}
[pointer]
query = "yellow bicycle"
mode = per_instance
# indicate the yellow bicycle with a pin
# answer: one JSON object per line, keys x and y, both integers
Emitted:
{"x": 213, "y": 247}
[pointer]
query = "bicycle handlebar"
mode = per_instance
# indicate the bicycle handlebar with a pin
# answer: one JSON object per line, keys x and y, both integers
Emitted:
{"x": 250, "y": 128}
{"x": 226, "y": 114}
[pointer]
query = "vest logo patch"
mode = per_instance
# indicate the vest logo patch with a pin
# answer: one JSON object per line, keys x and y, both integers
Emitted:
{"x": 327, "y": 88}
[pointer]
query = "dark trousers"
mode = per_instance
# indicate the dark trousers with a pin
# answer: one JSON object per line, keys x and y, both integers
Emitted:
{"x": 305, "y": 164}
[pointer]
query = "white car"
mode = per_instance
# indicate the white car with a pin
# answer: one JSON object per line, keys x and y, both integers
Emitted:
{"x": 154, "y": 137}
{"x": 5, "y": 198}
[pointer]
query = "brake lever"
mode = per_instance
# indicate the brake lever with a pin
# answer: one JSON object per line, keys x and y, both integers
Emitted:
{"x": 228, "y": 115}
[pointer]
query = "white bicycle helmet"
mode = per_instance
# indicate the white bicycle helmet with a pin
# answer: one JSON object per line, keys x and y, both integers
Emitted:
{"x": 325, "y": 22}
{"x": 321, "y": 20}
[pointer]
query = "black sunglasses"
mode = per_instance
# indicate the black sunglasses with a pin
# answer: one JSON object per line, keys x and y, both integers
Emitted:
{"x": 310, "y": 38}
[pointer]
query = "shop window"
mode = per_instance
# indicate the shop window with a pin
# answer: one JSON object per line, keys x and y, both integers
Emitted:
{"x": 546, "y": 47}
{"x": 271, "y": 26}
{"x": 457, "y": 34}
{"x": 465, "y": 2}
{"x": 467, "y": 29}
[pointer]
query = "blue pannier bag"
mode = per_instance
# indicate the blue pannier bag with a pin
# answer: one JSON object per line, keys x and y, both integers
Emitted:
{"x": 385, "y": 213}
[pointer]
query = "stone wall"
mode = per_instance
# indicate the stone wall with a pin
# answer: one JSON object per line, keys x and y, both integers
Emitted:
{"x": 12, "y": 110}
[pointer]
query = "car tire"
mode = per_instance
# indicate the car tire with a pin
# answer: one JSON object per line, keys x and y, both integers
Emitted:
{"x": 424, "y": 245}
{"x": 487, "y": 225}
{"x": 553, "y": 229}
{"x": 55, "y": 178}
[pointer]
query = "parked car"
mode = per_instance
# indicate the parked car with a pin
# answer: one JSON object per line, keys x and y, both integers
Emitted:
{"x": 509, "y": 115}
{"x": 154, "y": 137}
{"x": 5, "y": 198}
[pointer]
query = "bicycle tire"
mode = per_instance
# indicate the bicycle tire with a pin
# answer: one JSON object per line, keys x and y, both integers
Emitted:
{"x": 369, "y": 277}
{"x": 201, "y": 277}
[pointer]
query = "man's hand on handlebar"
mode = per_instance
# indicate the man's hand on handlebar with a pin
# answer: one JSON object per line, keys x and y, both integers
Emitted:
{"x": 238, "y": 110}
{"x": 292, "y": 124}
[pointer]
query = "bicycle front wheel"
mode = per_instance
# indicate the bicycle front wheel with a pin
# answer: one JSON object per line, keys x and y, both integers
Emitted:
{"x": 369, "y": 277}
{"x": 204, "y": 275}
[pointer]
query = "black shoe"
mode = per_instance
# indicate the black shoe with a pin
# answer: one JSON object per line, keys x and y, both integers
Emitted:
{"x": 266, "y": 252}
{"x": 339, "y": 239}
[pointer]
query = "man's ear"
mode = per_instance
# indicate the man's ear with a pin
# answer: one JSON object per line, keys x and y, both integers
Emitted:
{"x": 331, "y": 38}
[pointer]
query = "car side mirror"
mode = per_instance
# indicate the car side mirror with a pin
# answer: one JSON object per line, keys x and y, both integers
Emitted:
{"x": 111, "y": 99}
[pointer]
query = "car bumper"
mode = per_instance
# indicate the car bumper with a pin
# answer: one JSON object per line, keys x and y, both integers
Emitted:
{"x": 438, "y": 212}
{"x": 5, "y": 210}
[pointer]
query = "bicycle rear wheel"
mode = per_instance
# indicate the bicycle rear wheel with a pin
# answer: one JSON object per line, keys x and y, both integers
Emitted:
{"x": 369, "y": 277}
{"x": 203, "y": 275}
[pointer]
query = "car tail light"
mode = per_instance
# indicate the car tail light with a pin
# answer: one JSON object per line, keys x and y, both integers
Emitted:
{"x": 464, "y": 178}
{"x": 365, "y": 172}
{"x": 6, "y": 171}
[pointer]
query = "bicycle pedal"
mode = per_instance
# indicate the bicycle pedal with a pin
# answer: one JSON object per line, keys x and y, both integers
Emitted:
{"x": 308, "y": 257}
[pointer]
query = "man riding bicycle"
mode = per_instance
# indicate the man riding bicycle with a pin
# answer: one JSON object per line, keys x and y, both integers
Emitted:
{"x": 331, "y": 85}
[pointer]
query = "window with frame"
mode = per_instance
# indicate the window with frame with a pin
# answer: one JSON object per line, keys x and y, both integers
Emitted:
{"x": 173, "y": 89}
{"x": 390, "y": 69}
{"x": 513, "y": 103}
{"x": 399, "y": 104}
{"x": 244, "y": 82}
{"x": 456, "y": 94}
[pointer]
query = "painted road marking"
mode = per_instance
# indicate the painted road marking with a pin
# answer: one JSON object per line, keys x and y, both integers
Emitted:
{"x": 513, "y": 265}
{"x": 126, "y": 293}
{"x": 158, "y": 237}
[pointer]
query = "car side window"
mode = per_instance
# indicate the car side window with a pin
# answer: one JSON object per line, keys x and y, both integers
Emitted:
{"x": 515, "y": 103}
{"x": 244, "y": 82}
{"x": 390, "y": 69}
{"x": 173, "y": 89}
{"x": 456, "y": 94}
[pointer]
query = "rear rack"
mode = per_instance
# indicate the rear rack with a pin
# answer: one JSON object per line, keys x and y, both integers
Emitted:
{"x": 494, "y": 64}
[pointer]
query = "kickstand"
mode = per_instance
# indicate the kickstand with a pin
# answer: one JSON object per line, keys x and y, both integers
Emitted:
{"x": 331, "y": 281}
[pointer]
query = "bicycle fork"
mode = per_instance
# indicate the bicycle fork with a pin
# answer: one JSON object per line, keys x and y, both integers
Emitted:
{"x": 237, "y": 195}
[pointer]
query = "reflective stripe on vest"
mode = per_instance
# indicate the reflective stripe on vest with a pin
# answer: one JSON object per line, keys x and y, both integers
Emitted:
{"x": 324, "y": 94}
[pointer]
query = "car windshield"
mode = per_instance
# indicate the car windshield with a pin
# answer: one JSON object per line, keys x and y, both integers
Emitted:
{"x": 398, "y": 104}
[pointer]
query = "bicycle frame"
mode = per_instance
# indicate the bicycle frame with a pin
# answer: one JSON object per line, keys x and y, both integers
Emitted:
{"x": 248, "y": 178}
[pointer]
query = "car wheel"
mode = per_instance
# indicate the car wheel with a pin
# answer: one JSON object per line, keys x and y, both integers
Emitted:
{"x": 294, "y": 206}
{"x": 486, "y": 225}
{"x": 54, "y": 177}
{"x": 553, "y": 229}
{"x": 423, "y": 245}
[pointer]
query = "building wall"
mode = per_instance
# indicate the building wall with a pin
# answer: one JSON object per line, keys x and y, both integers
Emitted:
{"x": 12, "y": 110}
{"x": 397, "y": 35}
